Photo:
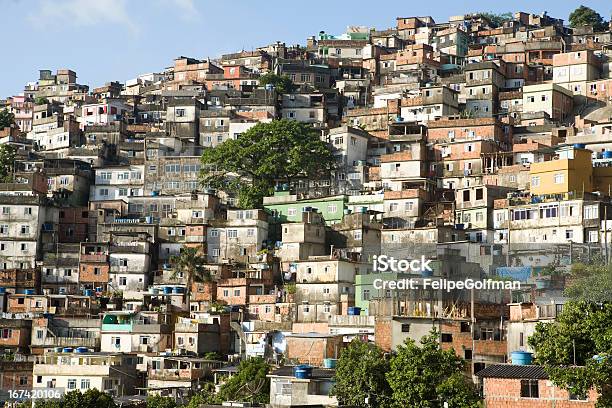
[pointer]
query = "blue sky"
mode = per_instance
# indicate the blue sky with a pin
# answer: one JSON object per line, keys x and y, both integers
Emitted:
{"x": 106, "y": 40}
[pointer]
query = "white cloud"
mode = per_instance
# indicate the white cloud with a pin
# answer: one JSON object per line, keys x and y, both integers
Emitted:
{"x": 82, "y": 13}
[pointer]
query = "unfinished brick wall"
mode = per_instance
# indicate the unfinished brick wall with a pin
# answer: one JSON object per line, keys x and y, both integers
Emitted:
{"x": 382, "y": 333}
{"x": 506, "y": 393}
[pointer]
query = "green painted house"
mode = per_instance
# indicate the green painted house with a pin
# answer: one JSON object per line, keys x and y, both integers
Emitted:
{"x": 286, "y": 207}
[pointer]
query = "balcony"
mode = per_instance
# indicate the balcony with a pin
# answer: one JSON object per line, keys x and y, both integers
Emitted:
{"x": 94, "y": 257}
{"x": 89, "y": 342}
{"x": 117, "y": 327}
{"x": 176, "y": 374}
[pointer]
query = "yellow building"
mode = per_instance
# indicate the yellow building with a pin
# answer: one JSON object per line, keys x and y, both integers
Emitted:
{"x": 570, "y": 170}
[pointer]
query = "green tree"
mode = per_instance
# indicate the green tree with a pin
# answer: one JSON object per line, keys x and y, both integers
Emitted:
{"x": 7, "y": 163}
{"x": 497, "y": 20}
{"x": 249, "y": 384}
{"x": 157, "y": 401}
{"x": 40, "y": 100}
{"x": 590, "y": 283}
{"x": 251, "y": 165}
{"x": 586, "y": 16}
{"x": 191, "y": 263}
{"x": 206, "y": 396}
{"x": 6, "y": 118}
{"x": 360, "y": 373}
{"x": 575, "y": 350}
{"x": 92, "y": 398}
{"x": 425, "y": 376}
{"x": 282, "y": 83}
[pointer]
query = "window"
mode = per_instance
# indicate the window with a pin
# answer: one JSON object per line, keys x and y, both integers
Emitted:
{"x": 4, "y": 229}
{"x": 357, "y": 235}
{"x": 291, "y": 211}
{"x": 559, "y": 178}
{"x": 326, "y": 308}
{"x": 232, "y": 233}
{"x": 405, "y": 327}
{"x": 6, "y": 210}
{"x": 465, "y": 327}
{"x": 409, "y": 205}
{"x": 25, "y": 229}
{"x": 27, "y": 211}
{"x": 591, "y": 212}
{"x": 447, "y": 338}
{"x": 332, "y": 208}
{"x": 144, "y": 340}
{"x": 225, "y": 292}
{"x": 569, "y": 234}
{"x": 251, "y": 232}
{"x": 530, "y": 389}
{"x": 366, "y": 294}
{"x": 549, "y": 211}
{"x": 467, "y": 354}
{"x": 85, "y": 384}
{"x": 535, "y": 181}
{"x": 72, "y": 384}
{"x": 236, "y": 292}
{"x": 180, "y": 113}
{"x": 216, "y": 252}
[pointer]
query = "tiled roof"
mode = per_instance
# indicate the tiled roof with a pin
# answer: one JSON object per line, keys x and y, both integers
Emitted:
{"x": 513, "y": 371}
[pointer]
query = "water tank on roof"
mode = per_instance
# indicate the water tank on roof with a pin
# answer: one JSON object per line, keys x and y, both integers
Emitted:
{"x": 579, "y": 145}
{"x": 521, "y": 357}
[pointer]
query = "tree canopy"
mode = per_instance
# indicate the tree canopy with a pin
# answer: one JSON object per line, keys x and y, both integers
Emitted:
{"x": 425, "y": 376}
{"x": 6, "y": 118}
{"x": 575, "y": 350}
{"x": 497, "y": 20}
{"x": 282, "y": 83}
{"x": 249, "y": 384}
{"x": 7, "y": 163}
{"x": 253, "y": 163}
{"x": 360, "y": 374}
{"x": 92, "y": 398}
{"x": 190, "y": 262}
{"x": 590, "y": 283}
{"x": 586, "y": 16}
{"x": 157, "y": 401}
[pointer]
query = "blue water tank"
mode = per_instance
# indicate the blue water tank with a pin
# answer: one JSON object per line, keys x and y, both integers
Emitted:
{"x": 607, "y": 154}
{"x": 521, "y": 357}
{"x": 29, "y": 291}
{"x": 426, "y": 273}
{"x": 2, "y": 290}
{"x": 329, "y": 362}
{"x": 179, "y": 289}
{"x": 81, "y": 350}
{"x": 67, "y": 350}
{"x": 579, "y": 145}
{"x": 302, "y": 372}
{"x": 154, "y": 193}
{"x": 167, "y": 290}
{"x": 354, "y": 311}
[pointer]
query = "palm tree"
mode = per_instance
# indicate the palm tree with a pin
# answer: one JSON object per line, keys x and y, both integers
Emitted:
{"x": 191, "y": 263}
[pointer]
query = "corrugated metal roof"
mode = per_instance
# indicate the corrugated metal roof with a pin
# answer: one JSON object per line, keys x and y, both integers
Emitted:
{"x": 513, "y": 371}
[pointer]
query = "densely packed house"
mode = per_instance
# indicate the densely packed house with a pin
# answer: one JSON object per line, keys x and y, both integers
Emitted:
{"x": 485, "y": 147}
